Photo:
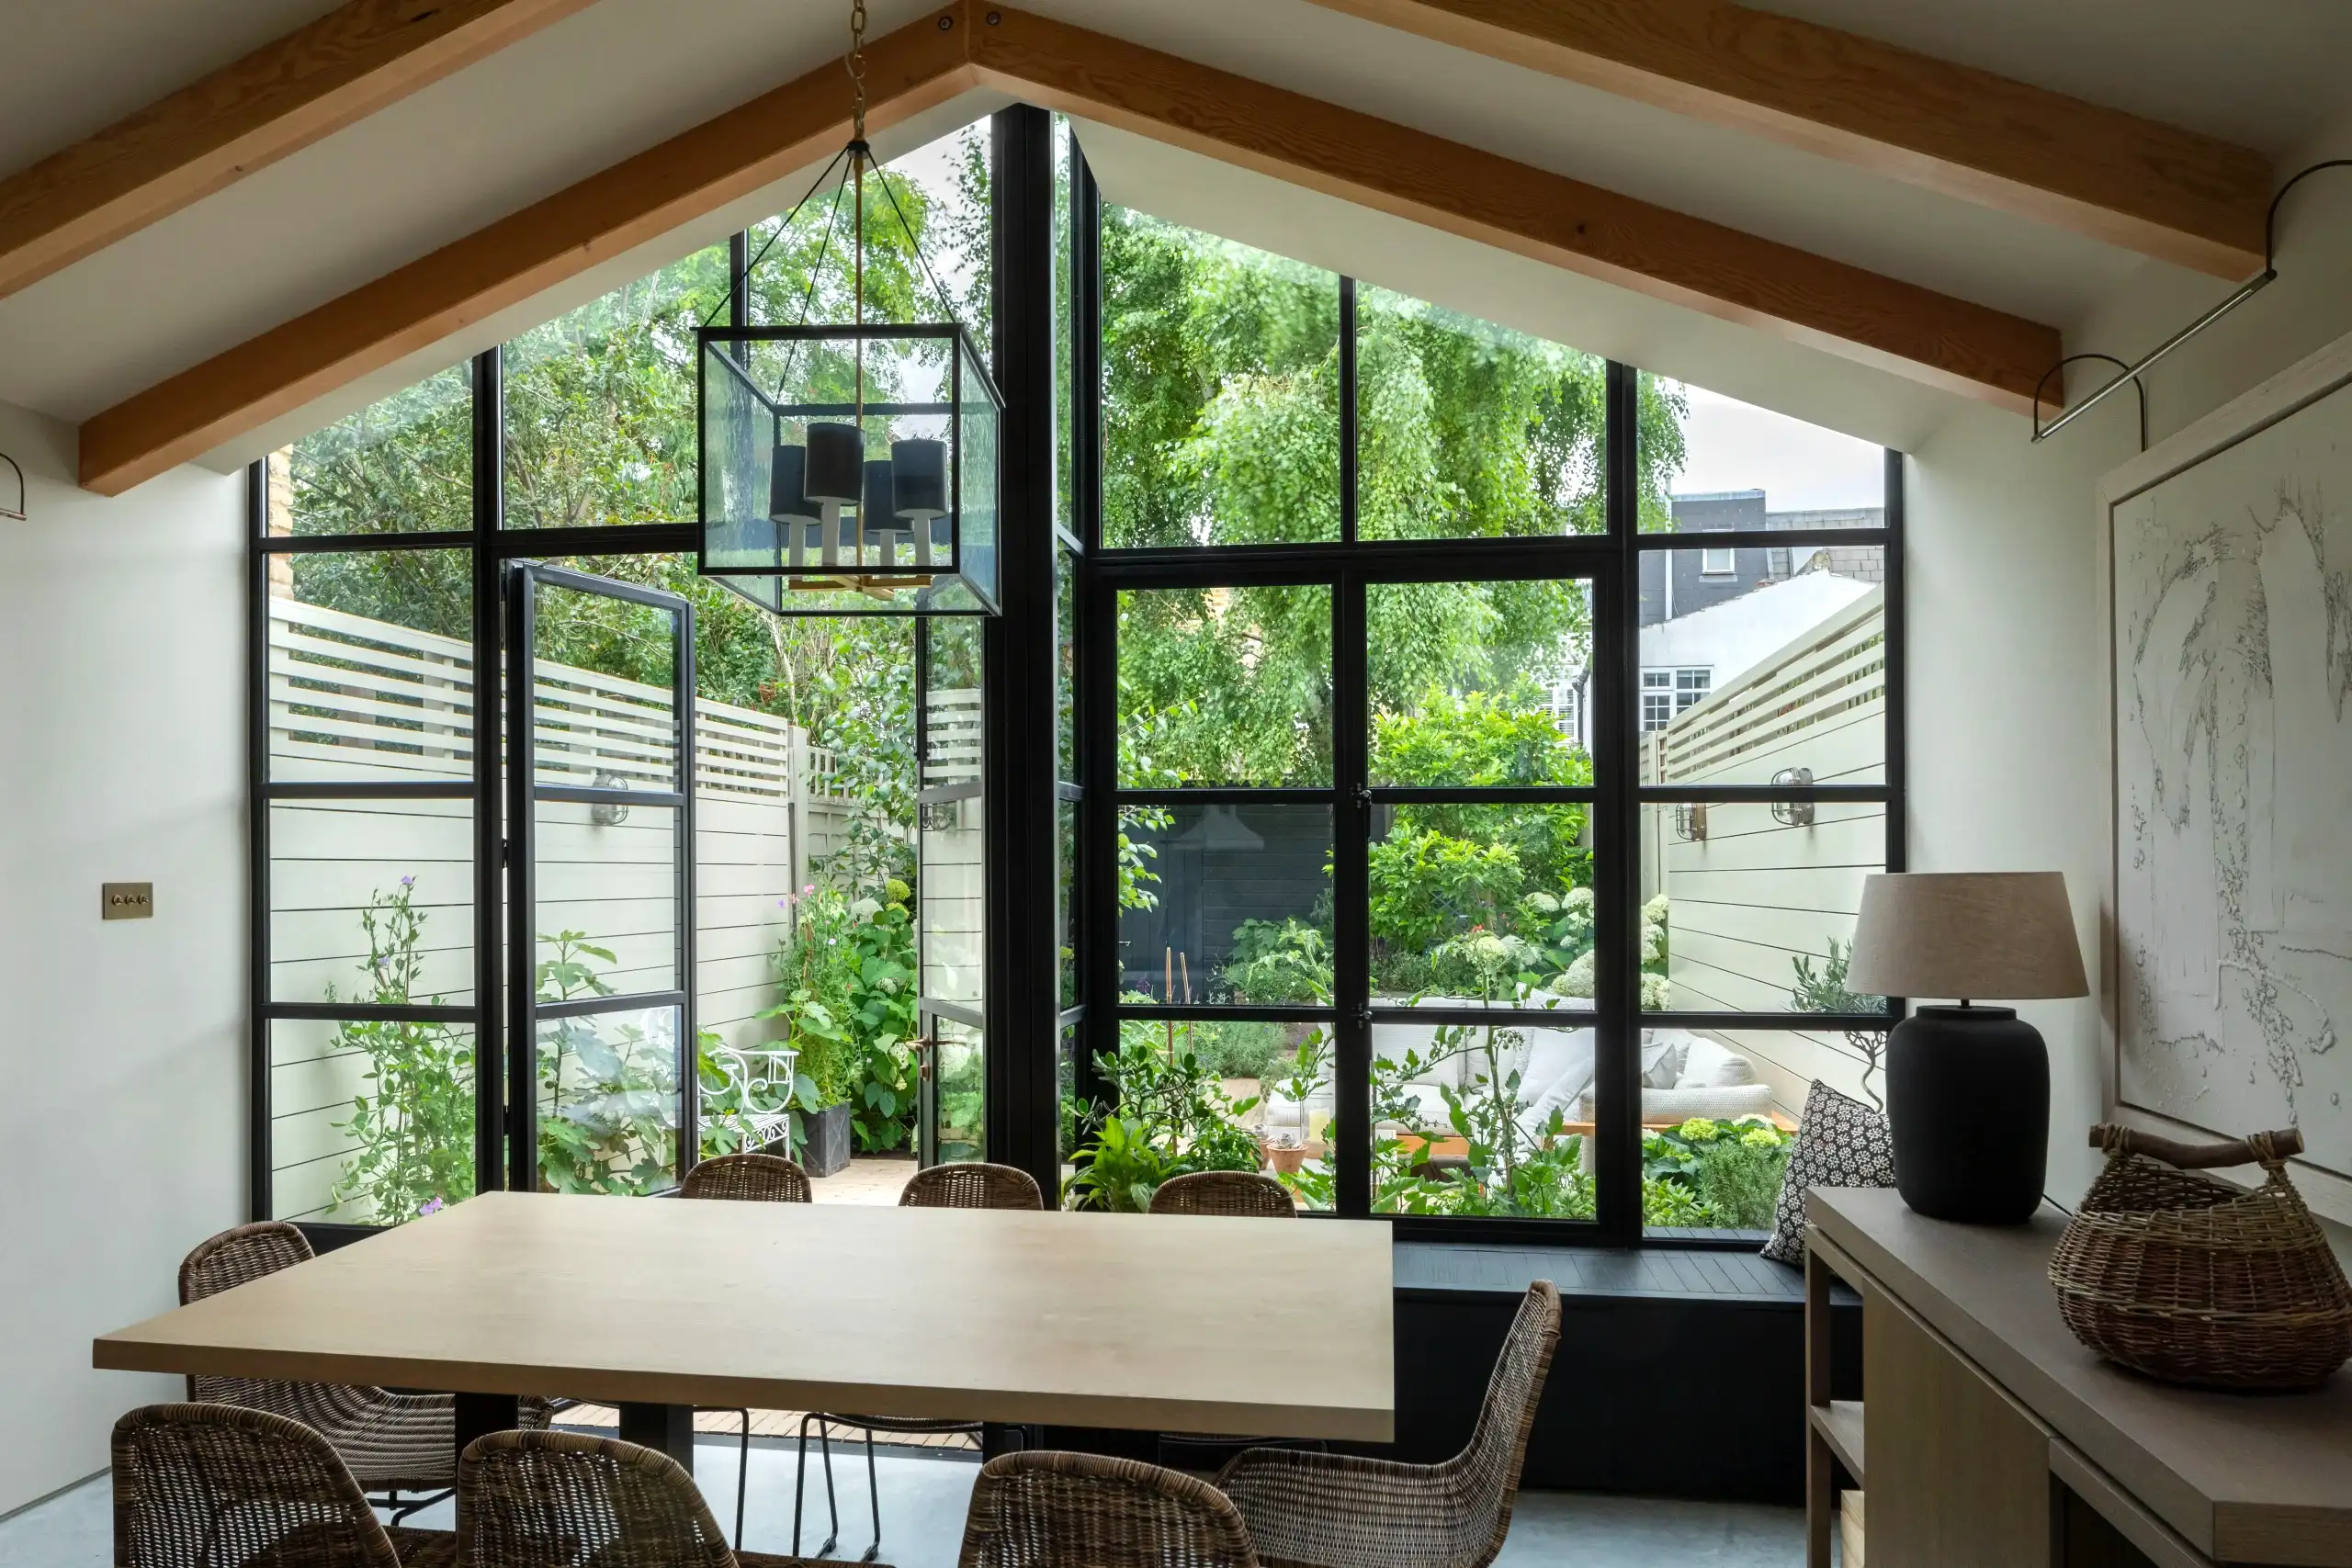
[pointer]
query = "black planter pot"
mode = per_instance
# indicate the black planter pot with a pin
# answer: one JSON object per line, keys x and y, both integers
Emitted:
{"x": 825, "y": 1134}
{"x": 1968, "y": 1104}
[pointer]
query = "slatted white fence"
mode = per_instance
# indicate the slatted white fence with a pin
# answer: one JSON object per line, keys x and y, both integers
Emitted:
{"x": 954, "y": 832}
{"x": 1749, "y": 891}
{"x": 360, "y": 701}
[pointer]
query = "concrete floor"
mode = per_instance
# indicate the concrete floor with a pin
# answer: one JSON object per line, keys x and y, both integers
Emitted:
{"x": 924, "y": 1498}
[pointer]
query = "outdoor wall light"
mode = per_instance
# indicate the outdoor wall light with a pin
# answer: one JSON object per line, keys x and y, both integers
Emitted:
{"x": 1793, "y": 813}
{"x": 850, "y": 468}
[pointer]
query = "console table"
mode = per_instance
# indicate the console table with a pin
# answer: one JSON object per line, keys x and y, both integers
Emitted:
{"x": 1987, "y": 1437}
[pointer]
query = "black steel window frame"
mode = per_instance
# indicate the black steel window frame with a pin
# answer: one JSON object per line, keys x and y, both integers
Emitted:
{"x": 1022, "y": 1108}
{"x": 489, "y": 546}
{"x": 1610, "y": 563}
{"x": 524, "y": 795}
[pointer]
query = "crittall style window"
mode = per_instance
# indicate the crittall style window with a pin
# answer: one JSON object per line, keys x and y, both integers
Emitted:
{"x": 1465, "y": 845}
{"x": 572, "y": 866}
{"x": 1420, "y": 759}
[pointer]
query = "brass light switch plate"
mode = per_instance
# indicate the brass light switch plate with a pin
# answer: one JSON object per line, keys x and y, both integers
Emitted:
{"x": 127, "y": 900}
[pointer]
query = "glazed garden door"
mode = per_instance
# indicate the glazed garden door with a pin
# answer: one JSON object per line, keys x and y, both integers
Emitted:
{"x": 951, "y": 875}
{"x": 600, "y": 883}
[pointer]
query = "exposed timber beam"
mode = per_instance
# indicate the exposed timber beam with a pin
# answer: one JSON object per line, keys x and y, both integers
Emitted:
{"x": 357, "y": 59}
{"x": 2139, "y": 184}
{"x": 1671, "y": 255}
{"x": 699, "y": 170}
{"x": 1861, "y": 315}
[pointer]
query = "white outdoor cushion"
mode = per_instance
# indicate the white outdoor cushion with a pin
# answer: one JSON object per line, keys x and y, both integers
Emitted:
{"x": 1662, "y": 1052}
{"x": 1707, "y": 1065}
{"x": 1551, "y": 1052}
{"x": 1682, "y": 1104}
{"x": 1562, "y": 1095}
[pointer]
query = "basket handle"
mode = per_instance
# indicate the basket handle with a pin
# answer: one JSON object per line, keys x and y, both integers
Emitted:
{"x": 2259, "y": 1148}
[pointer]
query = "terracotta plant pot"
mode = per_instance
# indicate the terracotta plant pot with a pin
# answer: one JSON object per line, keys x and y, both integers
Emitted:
{"x": 1287, "y": 1162}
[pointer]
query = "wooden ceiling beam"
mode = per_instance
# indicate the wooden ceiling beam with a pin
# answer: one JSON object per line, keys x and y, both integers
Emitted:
{"x": 1861, "y": 315}
{"x": 2154, "y": 188}
{"x": 615, "y": 211}
{"x": 357, "y": 59}
{"x": 1865, "y": 316}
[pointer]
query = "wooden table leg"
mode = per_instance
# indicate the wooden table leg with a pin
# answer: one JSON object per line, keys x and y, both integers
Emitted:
{"x": 481, "y": 1414}
{"x": 669, "y": 1427}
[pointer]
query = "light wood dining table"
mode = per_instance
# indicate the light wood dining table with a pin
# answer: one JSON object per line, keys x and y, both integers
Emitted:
{"x": 1157, "y": 1323}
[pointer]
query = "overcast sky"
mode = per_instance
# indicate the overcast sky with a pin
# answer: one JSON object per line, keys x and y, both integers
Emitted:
{"x": 1799, "y": 467}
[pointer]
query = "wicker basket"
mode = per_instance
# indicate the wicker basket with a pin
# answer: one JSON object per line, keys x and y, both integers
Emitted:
{"x": 2195, "y": 1282}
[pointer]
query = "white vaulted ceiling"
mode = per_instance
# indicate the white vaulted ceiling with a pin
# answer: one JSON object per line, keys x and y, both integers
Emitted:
{"x": 623, "y": 74}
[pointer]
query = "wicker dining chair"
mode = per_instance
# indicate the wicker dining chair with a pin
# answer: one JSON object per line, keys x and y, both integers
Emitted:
{"x": 1067, "y": 1510}
{"x": 1338, "y": 1511}
{"x": 960, "y": 1184}
{"x": 971, "y": 1184}
{"x": 1241, "y": 1194}
{"x": 746, "y": 1178}
{"x": 749, "y": 1178}
{"x": 537, "y": 1499}
{"x": 391, "y": 1442}
{"x": 530, "y": 1499}
{"x": 199, "y": 1485}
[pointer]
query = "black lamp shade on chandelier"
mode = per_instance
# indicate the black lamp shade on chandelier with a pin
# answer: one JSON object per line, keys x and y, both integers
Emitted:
{"x": 850, "y": 469}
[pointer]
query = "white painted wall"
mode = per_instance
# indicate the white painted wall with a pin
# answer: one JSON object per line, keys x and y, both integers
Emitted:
{"x": 123, "y": 1045}
{"x": 2008, "y": 732}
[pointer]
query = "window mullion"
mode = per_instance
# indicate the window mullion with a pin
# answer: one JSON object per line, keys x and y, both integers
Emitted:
{"x": 489, "y": 832}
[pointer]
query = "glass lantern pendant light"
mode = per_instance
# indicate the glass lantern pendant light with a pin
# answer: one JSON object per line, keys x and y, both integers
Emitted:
{"x": 850, "y": 468}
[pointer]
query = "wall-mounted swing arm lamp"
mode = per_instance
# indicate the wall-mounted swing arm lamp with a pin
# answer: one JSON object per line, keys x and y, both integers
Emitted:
{"x": 16, "y": 514}
{"x": 2245, "y": 291}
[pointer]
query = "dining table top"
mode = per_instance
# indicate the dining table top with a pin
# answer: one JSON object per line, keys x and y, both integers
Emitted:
{"x": 1165, "y": 1323}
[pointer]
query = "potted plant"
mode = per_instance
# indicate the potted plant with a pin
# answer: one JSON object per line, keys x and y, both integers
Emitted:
{"x": 1308, "y": 1067}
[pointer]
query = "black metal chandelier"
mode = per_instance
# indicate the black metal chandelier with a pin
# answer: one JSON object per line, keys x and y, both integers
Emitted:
{"x": 851, "y": 468}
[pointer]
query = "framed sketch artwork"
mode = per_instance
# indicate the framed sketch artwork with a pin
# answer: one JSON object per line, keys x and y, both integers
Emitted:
{"x": 2230, "y": 600}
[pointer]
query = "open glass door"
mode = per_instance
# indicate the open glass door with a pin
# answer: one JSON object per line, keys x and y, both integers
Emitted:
{"x": 600, "y": 883}
{"x": 951, "y": 881}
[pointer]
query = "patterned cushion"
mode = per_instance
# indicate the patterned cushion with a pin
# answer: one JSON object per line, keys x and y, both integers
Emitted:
{"x": 1841, "y": 1143}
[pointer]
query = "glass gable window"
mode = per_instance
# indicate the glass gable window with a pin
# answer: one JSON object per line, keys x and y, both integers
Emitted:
{"x": 1438, "y": 894}
{"x": 1428, "y": 765}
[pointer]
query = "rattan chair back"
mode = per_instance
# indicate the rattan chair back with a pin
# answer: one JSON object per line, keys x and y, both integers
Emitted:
{"x": 1241, "y": 1193}
{"x": 748, "y": 1178}
{"x": 1486, "y": 1472}
{"x": 1067, "y": 1510}
{"x": 541, "y": 1499}
{"x": 221, "y": 1263}
{"x": 972, "y": 1184}
{"x": 201, "y": 1486}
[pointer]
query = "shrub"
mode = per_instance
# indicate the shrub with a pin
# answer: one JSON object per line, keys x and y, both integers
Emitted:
{"x": 1172, "y": 1116}
{"x": 1279, "y": 961}
{"x": 1426, "y": 886}
{"x": 1732, "y": 1169}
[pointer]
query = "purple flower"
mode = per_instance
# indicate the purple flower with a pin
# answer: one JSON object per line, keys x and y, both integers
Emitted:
{"x": 432, "y": 1206}
{"x": 408, "y": 882}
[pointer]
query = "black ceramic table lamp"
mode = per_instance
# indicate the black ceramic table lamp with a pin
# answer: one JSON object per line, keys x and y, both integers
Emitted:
{"x": 1968, "y": 1087}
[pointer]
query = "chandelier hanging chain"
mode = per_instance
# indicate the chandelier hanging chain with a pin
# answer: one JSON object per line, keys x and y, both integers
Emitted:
{"x": 857, "y": 68}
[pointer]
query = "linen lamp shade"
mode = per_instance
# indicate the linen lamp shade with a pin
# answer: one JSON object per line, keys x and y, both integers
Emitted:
{"x": 1968, "y": 1087}
{"x": 2003, "y": 934}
